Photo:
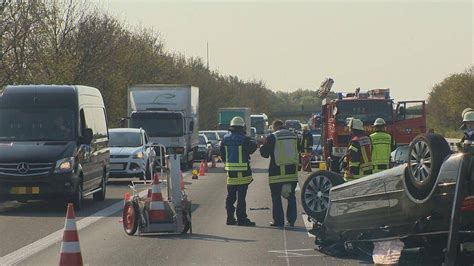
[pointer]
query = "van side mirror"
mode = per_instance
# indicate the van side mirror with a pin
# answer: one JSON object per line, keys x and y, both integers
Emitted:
{"x": 87, "y": 136}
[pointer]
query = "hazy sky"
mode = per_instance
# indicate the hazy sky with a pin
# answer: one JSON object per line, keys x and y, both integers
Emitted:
{"x": 407, "y": 46}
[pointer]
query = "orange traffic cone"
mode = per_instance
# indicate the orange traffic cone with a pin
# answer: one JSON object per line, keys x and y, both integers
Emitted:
{"x": 202, "y": 170}
{"x": 206, "y": 166}
{"x": 195, "y": 174}
{"x": 70, "y": 248}
{"x": 157, "y": 206}
{"x": 182, "y": 181}
{"x": 213, "y": 161}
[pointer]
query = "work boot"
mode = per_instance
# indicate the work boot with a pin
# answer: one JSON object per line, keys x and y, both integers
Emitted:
{"x": 231, "y": 221}
{"x": 246, "y": 222}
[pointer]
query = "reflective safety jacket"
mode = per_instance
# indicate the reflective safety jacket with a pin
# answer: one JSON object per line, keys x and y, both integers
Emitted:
{"x": 235, "y": 150}
{"x": 381, "y": 148}
{"x": 359, "y": 157}
{"x": 282, "y": 147}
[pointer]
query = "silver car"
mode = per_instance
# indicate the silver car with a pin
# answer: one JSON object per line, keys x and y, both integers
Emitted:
{"x": 213, "y": 137}
{"x": 131, "y": 153}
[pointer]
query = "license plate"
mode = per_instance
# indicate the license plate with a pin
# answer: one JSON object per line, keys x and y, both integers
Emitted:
{"x": 24, "y": 190}
{"x": 116, "y": 167}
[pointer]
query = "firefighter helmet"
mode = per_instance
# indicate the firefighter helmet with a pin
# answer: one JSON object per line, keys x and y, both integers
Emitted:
{"x": 355, "y": 123}
{"x": 237, "y": 121}
{"x": 379, "y": 122}
{"x": 465, "y": 111}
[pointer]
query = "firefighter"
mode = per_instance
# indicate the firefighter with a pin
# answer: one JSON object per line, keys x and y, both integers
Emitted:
{"x": 305, "y": 148}
{"x": 382, "y": 145}
{"x": 281, "y": 146}
{"x": 235, "y": 149}
{"x": 359, "y": 152}
{"x": 468, "y": 126}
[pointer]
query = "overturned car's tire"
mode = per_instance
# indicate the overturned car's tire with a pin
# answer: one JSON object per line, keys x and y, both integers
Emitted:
{"x": 426, "y": 154}
{"x": 315, "y": 193}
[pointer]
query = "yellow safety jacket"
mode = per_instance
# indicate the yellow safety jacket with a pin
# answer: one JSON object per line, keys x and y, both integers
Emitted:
{"x": 381, "y": 148}
{"x": 285, "y": 154}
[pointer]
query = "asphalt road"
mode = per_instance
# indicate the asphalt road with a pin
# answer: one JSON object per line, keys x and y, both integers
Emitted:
{"x": 33, "y": 231}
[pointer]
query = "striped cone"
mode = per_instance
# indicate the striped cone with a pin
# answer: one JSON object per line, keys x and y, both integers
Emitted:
{"x": 157, "y": 206}
{"x": 202, "y": 171}
{"x": 70, "y": 248}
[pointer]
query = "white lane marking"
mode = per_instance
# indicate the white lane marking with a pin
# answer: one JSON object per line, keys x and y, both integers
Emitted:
{"x": 301, "y": 256}
{"x": 27, "y": 251}
{"x": 291, "y": 250}
{"x": 307, "y": 224}
{"x": 285, "y": 245}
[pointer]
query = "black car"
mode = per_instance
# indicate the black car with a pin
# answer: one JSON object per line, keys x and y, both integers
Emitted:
{"x": 53, "y": 143}
{"x": 411, "y": 202}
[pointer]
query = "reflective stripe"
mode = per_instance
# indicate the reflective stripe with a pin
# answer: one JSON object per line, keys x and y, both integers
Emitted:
{"x": 239, "y": 180}
{"x": 235, "y": 166}
{"x": 70, "y": 247}
{"x": 70, "y": 225}
{"x": 353, "y": 148}
{"x": 283, "y": 178}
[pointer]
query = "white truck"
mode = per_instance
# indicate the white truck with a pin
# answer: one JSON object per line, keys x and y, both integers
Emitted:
{"x": 169, "y": 114}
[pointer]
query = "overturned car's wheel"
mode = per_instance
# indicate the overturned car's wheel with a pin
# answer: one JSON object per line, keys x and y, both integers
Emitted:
{"x": 426, "y": 154}
{"x": 315, "y": 193}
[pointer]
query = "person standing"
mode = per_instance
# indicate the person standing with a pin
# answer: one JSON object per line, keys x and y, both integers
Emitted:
{"x": 359, "y": 152}
{"x": 282, "y": 147}
{"x": 236, "y": 149}
{"x": 382, "y": 145}
{"x": 306, "y": 144}
{"x": 468, "y": 126}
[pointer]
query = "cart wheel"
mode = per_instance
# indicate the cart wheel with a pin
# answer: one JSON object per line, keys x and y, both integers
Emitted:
{"x": 130, "y": 218}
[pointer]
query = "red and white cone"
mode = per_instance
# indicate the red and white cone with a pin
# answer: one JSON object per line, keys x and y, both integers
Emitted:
{"x": 70, "y": 248}
{"x": 206, "y": 166}
{"x": 157, "y": 206}
{"x": 202, "y": 171}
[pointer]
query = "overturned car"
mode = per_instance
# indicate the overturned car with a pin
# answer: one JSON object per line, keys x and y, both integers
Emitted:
{"x": 411, "y": 202}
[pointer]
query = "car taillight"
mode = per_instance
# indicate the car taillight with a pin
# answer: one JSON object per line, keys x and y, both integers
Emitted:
{"x": 468, "y": 204}
{"x": 179, "y": 150}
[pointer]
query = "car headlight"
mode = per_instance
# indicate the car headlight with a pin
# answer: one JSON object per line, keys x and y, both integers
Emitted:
{"x": 64, "y": 165}
{"x": 139, "y": 155}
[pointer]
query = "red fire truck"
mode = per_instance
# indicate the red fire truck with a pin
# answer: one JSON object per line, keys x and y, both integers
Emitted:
{"x": 404, "y": 120}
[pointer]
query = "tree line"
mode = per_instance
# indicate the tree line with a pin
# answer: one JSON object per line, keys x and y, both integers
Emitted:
{"x": 446, "y": 101}
{"x": 73, "y": 42}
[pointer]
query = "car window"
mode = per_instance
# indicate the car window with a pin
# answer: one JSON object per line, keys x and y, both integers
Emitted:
{"x": 125, "y": 139}
{"x": 202, "y": 139}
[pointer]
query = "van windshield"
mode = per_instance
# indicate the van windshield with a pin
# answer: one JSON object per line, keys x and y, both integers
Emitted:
{"x": 36, "y": 124}
{"x": 159, "y": 125}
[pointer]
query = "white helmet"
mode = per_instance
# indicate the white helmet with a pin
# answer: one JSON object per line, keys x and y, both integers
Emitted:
{"x": 379, "y": 122}
{"x": 237, "y": 121}
{"x": 465, "y": 111}
{"x": 355, "y": 123}
{"x": 467, "y": 117}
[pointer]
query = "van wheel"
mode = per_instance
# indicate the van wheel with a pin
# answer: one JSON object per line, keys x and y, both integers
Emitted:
{"x": 100, "y": 195}
{"x": 315, "y": 193}
{"x": 426, "y": 154}
{"x": 78, "y": 197}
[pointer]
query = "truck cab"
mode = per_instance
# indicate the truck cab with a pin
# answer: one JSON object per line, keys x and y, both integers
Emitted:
{"x": 404, "y": 120}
